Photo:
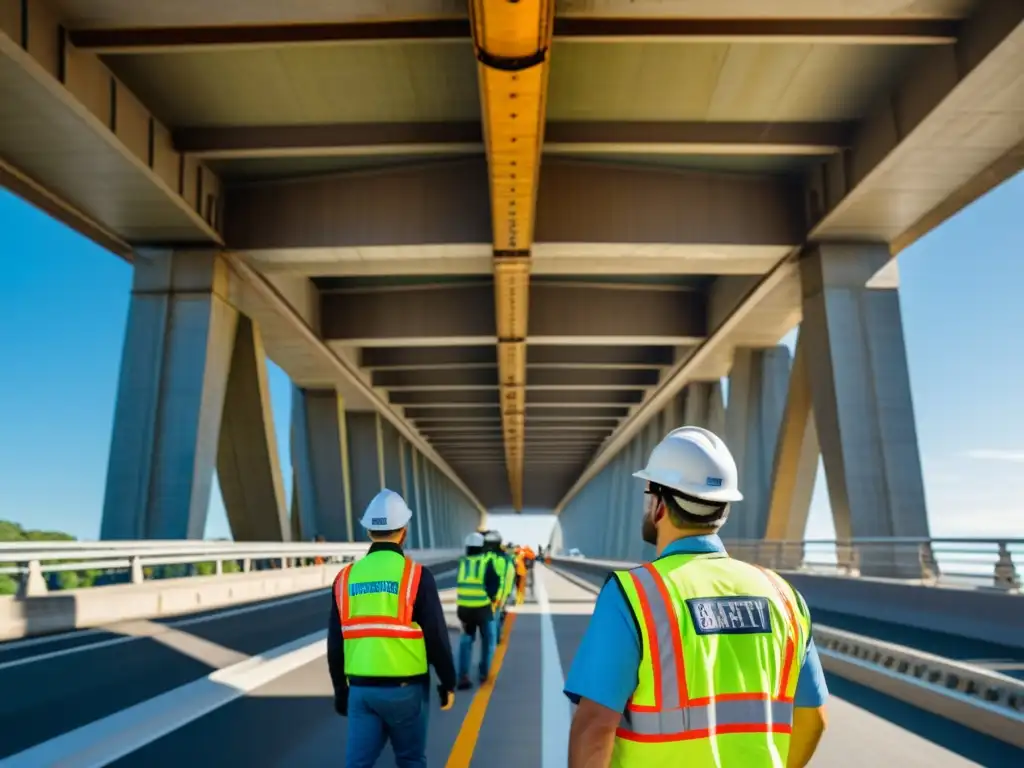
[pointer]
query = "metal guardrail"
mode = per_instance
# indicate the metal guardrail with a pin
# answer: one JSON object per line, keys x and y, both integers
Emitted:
{"x": 31, "y": 561}
{"x": 928, "y": 561}
{"x": 981, "y": 699}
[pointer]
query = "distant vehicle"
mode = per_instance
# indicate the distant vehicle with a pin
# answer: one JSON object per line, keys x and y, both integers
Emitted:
{"x": 574, "y": 552}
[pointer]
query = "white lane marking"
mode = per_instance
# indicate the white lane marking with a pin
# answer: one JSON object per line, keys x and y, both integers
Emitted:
{"x": 555, "y": 714}
{"x": 173, "y": 624}
{"x": 111, "y": 738}
{"x": 27, "y": 642}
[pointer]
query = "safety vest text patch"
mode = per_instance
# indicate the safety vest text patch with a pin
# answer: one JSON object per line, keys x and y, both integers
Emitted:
{"x": 373, "y": 587}
{"x": 730, "y": 615}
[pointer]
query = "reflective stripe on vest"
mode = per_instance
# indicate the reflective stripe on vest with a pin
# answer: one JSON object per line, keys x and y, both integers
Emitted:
{"x": 676, "y": 715}
{"x": 381, "y": 644}
{"x": 470, "y": 590}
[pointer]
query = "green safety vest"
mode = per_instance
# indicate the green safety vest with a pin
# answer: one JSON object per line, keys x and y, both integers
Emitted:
{"x": 470, "y": 591}
{"x": 375, "y": 598}
{"x": 723, "y": 642}
{"x": 497, "y": 561}
{"x": 510, "y": 577}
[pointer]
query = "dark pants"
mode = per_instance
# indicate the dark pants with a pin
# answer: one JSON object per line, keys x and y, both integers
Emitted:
{"x": 473, "y": 620}
{"x": 376, "y": 715}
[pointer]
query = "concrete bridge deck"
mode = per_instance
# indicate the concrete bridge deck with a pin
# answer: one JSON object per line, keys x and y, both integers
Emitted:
{"x": 169, "y": 693}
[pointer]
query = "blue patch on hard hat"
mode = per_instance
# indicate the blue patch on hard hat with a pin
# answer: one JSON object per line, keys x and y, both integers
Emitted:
{"x": 714, "y": 482}
{"x": 384, "y": 520}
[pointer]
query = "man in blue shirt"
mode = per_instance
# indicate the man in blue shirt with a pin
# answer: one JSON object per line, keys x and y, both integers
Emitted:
{"x": 604, "y": 672}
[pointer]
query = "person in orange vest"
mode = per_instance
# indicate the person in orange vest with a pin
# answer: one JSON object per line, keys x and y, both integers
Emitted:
{"x": 520, "y": 576}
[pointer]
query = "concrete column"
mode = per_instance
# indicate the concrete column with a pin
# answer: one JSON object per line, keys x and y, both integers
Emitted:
{"x": 170, "y": 398}
{"x": 248, "y": 466}
{"x": 703, "y": 406}
{"x": 862, "y": 404}
{"x": 795, "y": 467}
{"x": 422, "y": 501}
{"x": 716, "y": 409}
{"x": 391, "y": 451}
{"x": 757, "y": 398}
{"x": 364, "y": 456}
{"x": 322, "y": 494}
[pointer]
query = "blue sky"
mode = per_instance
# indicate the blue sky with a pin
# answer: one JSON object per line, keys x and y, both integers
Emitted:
{"x": 64, "y": 303}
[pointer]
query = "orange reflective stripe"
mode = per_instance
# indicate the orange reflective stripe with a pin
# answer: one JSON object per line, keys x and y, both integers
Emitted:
{"x": 792, "y": 636}
{"x": 412, "y": 591}
{"x": 403, "y": 589}
{"x": 674, "y": 631}
{"x": 652, "y": 638}
{"x": 341, "y": 593}
{"x": 378, "y": 630}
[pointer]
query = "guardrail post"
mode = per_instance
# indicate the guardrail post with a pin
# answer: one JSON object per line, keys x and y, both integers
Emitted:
{"x": 929, "y": 566}
{"x": 246, "y": 565}
{"x": 218, "y": 567}
{"x": 137, "y": 575}
{"x": 33, "y": 584}
{"x": 848, "y": 559}
{"x": 1006, "y": 576}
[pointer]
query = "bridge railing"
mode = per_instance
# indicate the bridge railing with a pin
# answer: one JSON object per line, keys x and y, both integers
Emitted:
{"x": 929, "y": 561}
{"x": 136, "y": 562}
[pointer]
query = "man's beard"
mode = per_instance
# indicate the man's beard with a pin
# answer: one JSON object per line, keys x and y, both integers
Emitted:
{"x": 649, "y": 531}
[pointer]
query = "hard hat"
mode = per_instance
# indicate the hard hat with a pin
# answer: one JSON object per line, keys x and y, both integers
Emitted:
{"x": 386, "y": 512}
{"x": 695, "y": 462}
{"x": 475, "y": 540}
{"x": 492, "y": 537}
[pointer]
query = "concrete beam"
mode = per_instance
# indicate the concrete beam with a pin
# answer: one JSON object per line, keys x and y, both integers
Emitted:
{"x": 947, "y": 134}
{"x": 248, "y": 467}
{"x": 560, "y": 313}
{"x": 170, "y": 399}
{"x": 795, "y": 466}
{"x": 538, "y": 356}
{"x": 594, "y": 137}
{"x": 537, "y": 378}
{"x": 320, "y": 458}
{"x": 448, "y": 203}
{"x": 116, "y": 163}
{"x": 848, "y": 31}
{"x": 560, "y": 412}
{"x": 862, "y": 403}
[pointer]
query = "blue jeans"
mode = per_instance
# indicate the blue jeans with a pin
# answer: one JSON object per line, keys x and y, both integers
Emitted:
{"x": 486, "y": 646}
{"x": 378, "y": 714}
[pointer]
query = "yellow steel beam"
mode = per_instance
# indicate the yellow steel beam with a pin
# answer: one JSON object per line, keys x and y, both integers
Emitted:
{"x": 513, "y": 44}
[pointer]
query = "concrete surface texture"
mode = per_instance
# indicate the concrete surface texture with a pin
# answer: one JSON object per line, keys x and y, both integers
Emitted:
{"x": 190, "y": 692}
{"x": 511, "y": 275}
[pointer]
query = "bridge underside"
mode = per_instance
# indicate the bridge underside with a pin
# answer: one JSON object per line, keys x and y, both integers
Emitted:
{"x": 481, "y": 325}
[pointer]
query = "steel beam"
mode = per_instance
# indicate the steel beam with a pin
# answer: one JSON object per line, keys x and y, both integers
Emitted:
{"x": 848, "y": 31}
{"x": 561, "y": 313}
{"x": 594, "y": 137}
{"x": 448, "y": 203}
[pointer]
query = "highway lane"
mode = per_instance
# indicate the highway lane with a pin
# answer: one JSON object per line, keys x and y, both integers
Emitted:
{"x": 290, "y": 720}
{"x": 61, "y": 683}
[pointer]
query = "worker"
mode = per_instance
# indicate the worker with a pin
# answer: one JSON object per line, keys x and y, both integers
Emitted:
{"x": 509, "y": 582}
{"x": 476, "y": 590}
{"x": 494, "y": 555}
{"x": 520, "y": 576}
{"x": 387, "y": 627}
{"x": 737, "y": 680}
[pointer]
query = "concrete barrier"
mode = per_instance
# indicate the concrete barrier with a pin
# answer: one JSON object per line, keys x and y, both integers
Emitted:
{"x": 100, "y": 606}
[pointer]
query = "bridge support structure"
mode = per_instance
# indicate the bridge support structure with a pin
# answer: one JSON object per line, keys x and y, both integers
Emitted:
{"x": 845, "y": 398}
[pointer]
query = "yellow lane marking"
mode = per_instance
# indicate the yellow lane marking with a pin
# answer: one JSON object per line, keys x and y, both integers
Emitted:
{"x": 465, "y": 742}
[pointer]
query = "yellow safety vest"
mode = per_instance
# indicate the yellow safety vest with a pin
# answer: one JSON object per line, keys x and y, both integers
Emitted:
{"x": 470, "y": 591}
{"x": 510, "y": 577}
{"x": 723, "y": 642}
{"x": 375, "y": 598}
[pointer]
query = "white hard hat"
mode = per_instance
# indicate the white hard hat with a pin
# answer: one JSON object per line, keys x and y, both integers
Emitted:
{"x": 695, "y": 462}
{"x": 475, "y": 540}
{"x": 492, "y": 537}
{"x": 386, "y": 512}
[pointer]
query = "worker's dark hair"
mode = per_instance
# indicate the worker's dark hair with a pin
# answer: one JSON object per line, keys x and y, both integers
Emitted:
{"x": 683, "y": 519}
{"x": 381, "y": 535}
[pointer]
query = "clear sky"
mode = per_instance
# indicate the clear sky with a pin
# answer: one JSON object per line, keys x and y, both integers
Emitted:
{"x": 64, "y": 304}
